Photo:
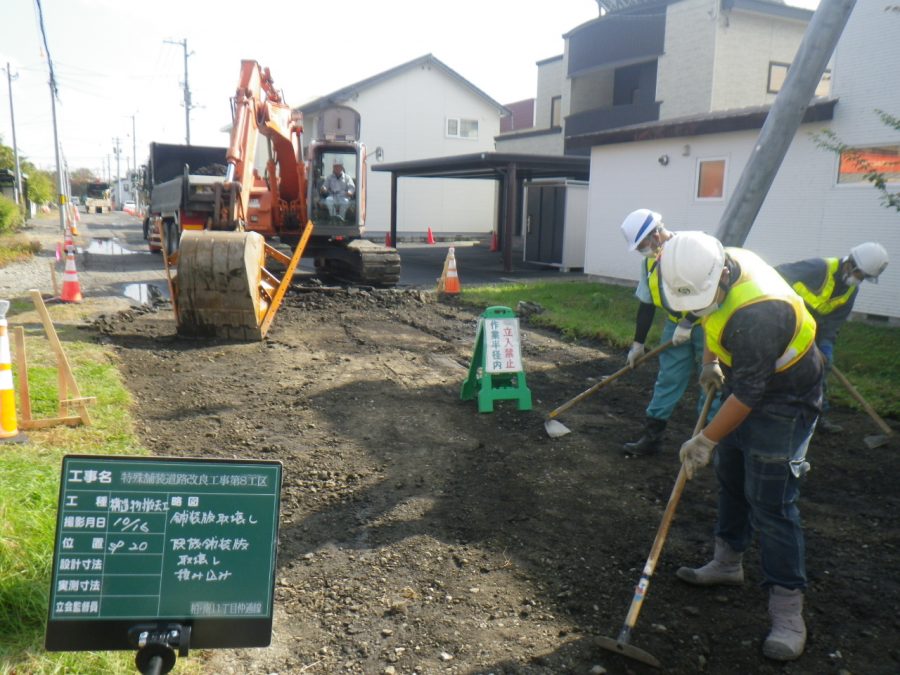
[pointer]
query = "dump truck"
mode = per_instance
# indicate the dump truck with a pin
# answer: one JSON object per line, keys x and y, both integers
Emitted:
{"x": 179, "y": 190}
{"x": 272, "y": 185}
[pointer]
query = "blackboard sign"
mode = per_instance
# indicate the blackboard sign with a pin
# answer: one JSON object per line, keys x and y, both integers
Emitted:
{"x": 152, "y": 541}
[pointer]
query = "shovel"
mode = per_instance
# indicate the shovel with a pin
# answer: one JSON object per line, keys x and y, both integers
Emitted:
{"x": 621, "y": 645}
{"x": 876, "y": 440}
{"x": 555, "y": 428}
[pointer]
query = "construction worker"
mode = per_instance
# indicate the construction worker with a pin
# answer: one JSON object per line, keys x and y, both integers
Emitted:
{"x": 760, "y": 345}
{"x": 829, "y": 287}
{"x": 645, "y": 233}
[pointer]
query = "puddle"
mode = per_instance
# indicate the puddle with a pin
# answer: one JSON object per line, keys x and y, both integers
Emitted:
{"x": 145, "y": 294}
{"x": 109, "y": 247}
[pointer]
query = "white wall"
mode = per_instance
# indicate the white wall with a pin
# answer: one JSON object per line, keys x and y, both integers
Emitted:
{"x": 745, "y": 45}
{"x": 550, "y": 83}
{"x": 684, "y": 76}
{"x": 406, "y": 116}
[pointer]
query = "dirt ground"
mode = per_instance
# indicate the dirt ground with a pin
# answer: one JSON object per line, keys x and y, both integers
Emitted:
{"x": 419, "y": 536}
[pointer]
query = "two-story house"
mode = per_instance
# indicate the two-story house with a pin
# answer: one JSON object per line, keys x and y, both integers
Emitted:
{"x": 421, "y": 109}
{"x": 649, "y": 60}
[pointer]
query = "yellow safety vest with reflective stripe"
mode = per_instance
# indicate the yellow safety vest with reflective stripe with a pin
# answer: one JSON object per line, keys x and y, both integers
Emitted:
{"x": 821, "y": 301}
{"x": 759, "y": 282}
{"x": 654, "y": 280}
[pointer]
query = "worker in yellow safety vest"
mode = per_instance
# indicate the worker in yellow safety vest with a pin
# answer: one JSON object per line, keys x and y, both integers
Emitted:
{"x": 829, "y": 287}
{"x": 646, "y": 234}
{"x": 760, "y": 349}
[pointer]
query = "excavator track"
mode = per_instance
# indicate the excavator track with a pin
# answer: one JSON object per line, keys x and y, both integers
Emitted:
{"x": 363, "y": 262}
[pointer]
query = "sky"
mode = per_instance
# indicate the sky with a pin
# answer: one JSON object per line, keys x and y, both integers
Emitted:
{"x": 119, "y": 75}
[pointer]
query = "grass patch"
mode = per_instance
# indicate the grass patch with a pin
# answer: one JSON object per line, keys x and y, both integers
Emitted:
{"x": 16, "y": 248}
{"x": 865, "y": 353}
{"x": 577, "y": 309}
{"x": 29, "y": 488}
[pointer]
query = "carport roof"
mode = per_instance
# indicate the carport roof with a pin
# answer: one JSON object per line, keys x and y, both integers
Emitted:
{"x": 492, "y": 165}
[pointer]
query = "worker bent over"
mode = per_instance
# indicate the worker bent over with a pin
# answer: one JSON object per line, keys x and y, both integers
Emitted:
{"x": 829, "y": 287}
{"x": 760, "y": 347}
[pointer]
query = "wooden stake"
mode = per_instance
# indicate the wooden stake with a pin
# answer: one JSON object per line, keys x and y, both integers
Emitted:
{"x": 53, "y": 279}
{"x": 22, "y": 368}
{"x": 65, "y": 371}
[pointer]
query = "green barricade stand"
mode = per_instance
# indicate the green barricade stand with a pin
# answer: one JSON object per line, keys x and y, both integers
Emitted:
{"x": 495, "y": 372}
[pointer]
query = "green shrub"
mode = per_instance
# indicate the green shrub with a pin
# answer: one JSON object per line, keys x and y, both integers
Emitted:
{"x": 10, "y": 215}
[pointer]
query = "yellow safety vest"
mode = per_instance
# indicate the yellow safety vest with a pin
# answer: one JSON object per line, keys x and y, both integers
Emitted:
{"x": 654, "y": 280}
{"x": 821, "y": 301}
{"x": 759, "y": 282}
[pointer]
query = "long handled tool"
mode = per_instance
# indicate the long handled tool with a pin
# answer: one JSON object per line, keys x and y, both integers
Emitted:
{"x": 876, "y": 440}
{"x": 621, "y": 645}
{"x": 555, "y": 428}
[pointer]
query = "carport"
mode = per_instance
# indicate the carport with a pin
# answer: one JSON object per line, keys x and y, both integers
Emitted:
{"x": 511, "y": 169}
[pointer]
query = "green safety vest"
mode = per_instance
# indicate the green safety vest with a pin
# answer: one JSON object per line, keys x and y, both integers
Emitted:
{"x": 654, "y": 280}
{"x": 821, "y": 301}
{"x": 760, "y": 282}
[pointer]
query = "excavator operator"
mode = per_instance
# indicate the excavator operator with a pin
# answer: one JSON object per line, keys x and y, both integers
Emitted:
{"x": 340, "y": 190}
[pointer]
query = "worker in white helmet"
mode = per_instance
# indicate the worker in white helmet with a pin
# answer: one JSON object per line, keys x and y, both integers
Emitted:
{"x": 829, "y": 287}
{"x": 760, "y": 342}
{"x": 645, "y": 233}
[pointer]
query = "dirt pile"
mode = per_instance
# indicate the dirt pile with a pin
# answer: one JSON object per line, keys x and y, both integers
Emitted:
{"x": 418, "y": 536}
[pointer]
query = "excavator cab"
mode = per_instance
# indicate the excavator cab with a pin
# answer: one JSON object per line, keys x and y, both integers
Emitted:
{"x": 335, "y": 188}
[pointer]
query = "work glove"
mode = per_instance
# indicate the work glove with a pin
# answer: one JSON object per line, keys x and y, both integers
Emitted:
{"x": 711, "y": 376}
{"x": 696, "y": 453}
{"x": 682, "y": 333}
{"x": 827, "y": 349}
{"x": 636, "y": 352}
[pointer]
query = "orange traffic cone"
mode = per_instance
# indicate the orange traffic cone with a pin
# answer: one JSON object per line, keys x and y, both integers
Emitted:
{"x": 495, "y": 242}
{"x": 451, "y": 283}
{"x": 430, "y": 236}
{"x": 9, "y": 430}
{"x": 75, "y": 219}
{"x": 71, "y": 290}
{"x": 387, "y": 239}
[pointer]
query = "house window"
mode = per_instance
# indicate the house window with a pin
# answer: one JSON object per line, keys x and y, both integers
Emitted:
{"x": 778, "y": 74}
{"x": 857, "y": 162}
{"x": 462, "y": 128}
{"x": 711, "y": 179}
{"x": 556, "y": 111}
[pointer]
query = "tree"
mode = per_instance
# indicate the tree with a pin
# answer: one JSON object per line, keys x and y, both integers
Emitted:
{"x": 79, "y": 179}
{"x": 874, "y": 174}
{"x": 41, "y": 186}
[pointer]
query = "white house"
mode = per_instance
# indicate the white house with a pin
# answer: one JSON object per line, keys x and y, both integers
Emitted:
{"x": 418, "y": 110}
{"x": 687, "y": 168}
{"x": 649, "y": 60}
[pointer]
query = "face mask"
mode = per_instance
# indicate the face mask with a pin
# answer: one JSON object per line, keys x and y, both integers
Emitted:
{"x": 647, "y": 252}
{"x": 706, "y": 311}
{"x": 852, "y": 280}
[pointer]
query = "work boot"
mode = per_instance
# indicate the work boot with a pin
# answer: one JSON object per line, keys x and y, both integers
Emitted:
{"x": 826, "y": 426}
{"x": 786, "y": 640}
{"x": 724, "y": 569}
{"x": 649, "y": 443}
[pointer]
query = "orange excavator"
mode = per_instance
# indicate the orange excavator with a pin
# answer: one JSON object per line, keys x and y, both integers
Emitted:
{"x": 220, "y": 270}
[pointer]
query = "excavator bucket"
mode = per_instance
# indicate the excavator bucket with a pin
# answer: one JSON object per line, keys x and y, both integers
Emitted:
{"x": 221, "y": 286}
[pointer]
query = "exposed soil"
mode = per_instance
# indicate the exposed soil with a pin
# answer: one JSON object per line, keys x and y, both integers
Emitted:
{"x": 419, "y": 536}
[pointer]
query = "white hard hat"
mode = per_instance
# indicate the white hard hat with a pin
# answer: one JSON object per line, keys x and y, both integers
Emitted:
{"x": 870, "y": 258}
{"x": 638, "y": 224}
{"x": 691, "y": 265}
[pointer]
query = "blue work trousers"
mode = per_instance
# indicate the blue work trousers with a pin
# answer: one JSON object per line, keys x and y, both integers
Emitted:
{"x": 678, "y": 365}
{"x": 759, "y": 466}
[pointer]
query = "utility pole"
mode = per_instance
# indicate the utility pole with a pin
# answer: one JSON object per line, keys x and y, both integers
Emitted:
{"x": 187, "y": 89}
{"x": 12, "y": 116}
{"x": 783, "y": 119}
{"x": 118, "y": 152}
